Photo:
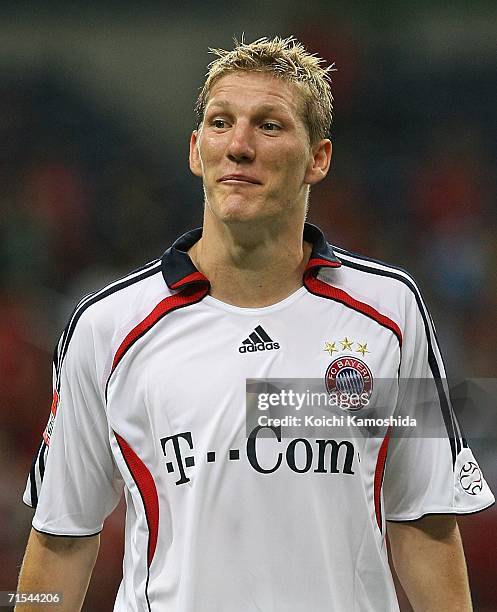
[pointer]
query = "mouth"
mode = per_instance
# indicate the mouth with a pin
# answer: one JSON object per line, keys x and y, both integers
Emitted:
{"x": 238, "y": 178}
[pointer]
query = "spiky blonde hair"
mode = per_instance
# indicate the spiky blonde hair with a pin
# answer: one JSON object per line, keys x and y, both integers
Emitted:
{"x": 284, "y": 58}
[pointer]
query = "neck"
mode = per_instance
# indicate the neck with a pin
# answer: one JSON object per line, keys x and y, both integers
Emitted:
{"x": 251, "y": 266}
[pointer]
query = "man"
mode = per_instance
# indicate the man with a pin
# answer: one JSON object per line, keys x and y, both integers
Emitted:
{"x": 150, "y": 378}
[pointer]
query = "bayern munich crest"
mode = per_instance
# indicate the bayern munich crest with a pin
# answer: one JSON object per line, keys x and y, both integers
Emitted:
{"x": 350, "y": 376}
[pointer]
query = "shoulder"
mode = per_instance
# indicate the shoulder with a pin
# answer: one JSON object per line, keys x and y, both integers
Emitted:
{"x": 390, "y": 289}
{"x": 376, "y": 276}
{"x": 375, "y": 273}
{"x": 100, "y": 319}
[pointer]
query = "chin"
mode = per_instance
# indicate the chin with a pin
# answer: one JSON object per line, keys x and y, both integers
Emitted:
{"x": 246, "y": 216}
{"x": 239, "y": 210}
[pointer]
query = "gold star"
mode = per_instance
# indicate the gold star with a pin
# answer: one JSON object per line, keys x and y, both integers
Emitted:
{"x": 346, "y": 344}
{"x": 363, "y": 348}
{"x": 330, "y": 347}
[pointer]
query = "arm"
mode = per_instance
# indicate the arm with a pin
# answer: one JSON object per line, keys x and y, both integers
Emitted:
{"x": 429, "y": 560}
{"x": 58, "y": 564}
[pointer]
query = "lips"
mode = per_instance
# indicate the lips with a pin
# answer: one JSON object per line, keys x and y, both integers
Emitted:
{"x": 242, "y": 178}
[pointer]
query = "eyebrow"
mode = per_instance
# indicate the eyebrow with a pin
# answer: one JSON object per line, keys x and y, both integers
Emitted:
{"x": 264, "y": 108}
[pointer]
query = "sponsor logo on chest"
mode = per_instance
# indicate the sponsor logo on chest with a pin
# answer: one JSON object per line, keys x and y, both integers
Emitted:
{"x": 300, "y": 455}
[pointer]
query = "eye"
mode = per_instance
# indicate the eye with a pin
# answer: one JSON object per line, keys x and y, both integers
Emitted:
{"x": 219, "y": 123}
{"x": 269, "y": 126}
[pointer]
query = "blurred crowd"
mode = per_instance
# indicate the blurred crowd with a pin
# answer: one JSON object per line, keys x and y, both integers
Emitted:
{"x": 412, "y": 182}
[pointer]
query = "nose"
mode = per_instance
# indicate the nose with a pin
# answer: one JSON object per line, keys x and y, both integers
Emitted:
{"x": 241, "y": 145}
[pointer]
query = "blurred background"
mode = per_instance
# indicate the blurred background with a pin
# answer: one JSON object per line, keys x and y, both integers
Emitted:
{"x": 96, "y": 110}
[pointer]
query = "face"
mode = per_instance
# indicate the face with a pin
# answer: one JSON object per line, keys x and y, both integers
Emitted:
{"x": 253, "y": 152}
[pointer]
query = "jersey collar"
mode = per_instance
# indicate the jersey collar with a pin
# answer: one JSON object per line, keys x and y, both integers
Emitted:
{"x": 322, "y": 255}
{"x": 178, "y": 269}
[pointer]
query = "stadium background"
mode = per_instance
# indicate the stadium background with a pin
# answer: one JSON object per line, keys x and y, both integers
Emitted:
{"x": 96, "y": 108}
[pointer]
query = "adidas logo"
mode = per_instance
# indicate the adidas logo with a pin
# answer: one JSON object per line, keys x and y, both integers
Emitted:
{"x": 258, "y": 340}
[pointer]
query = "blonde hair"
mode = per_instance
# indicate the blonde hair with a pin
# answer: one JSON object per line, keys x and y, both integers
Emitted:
{"x": 284, "y": 58}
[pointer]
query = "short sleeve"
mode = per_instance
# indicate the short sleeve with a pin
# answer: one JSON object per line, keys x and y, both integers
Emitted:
{"x": 74, "y": 483}
{"x": 429, "y": 469}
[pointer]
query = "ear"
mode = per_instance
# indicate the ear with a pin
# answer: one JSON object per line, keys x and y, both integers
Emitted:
{"x": 319, "y": 164}
{"x": 194, "y": 157}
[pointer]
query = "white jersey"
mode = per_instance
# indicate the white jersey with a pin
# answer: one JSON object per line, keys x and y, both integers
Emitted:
{"x": 150, "y": 397}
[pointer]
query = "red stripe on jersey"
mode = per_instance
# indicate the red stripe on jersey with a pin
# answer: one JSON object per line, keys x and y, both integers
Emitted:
{"x": 190, "y": 295}
{"x": 148, "y": 491}
{"x": 194, "y": 277}
{"x": 55, "y": 402}
{"x": 378, "y": 476}
{"x": 51, "y": 419}
{"x": 319, "y": 262}
{"x": 322, "y": 289}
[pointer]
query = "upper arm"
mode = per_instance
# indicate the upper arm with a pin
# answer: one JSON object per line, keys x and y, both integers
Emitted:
{"x": 429, "y": 560}
{"x": 430, "y": 467}
{"x": 434, "y": 527}
{"x": 74, "y": 482}
{"x": 59, "y": 564}
{"x": 61, "y": 545}
{"x": 410, "y": 540}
